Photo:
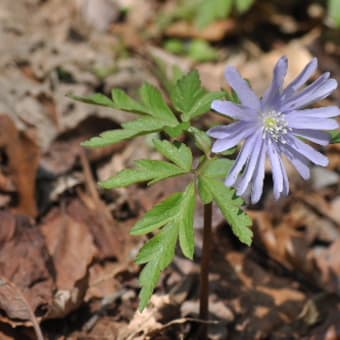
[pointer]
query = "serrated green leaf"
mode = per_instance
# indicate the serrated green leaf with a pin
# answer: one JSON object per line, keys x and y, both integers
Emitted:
{"x": 144, "y": 124}
{"x": 156, "y": 105}
{"x": 204, "y": 191}
{"x": 158, "y": 254}
{"x": 216, "y": 168}
{"x": 190, "y": 98}
{"x": 176, "y": 214}
{"x": 178, "y": 130}
{"x": 169, "y": 81}
{"x": 130, "y": 129}
{"x": 188, "y": 89}
{"x": 230, "y": 206}
{"x": 160, "y": 215}
{"x": 202, "y": 140}
{"x": 109, "y": 137}
{"x": 178, "y": 153}
{"x": 335, "y": 136}
{"x": 203, "y": 104}
{"x": 146, "y": 170}
{"x": 95, "y": 99}
{"x": 186, "y": 222}
{"x": 148, "y": 279}
{"x": 124, "y": 102}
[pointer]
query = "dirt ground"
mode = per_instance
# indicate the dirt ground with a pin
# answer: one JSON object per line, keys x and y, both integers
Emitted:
{"x": 66, "y": 256}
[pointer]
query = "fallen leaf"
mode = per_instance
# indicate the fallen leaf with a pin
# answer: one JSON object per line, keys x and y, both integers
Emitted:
{"x": 72, "y": 249}
{"x": 25, "y": 264}
{"x": 214, "y": 32}
{"x": 24, "y": 155}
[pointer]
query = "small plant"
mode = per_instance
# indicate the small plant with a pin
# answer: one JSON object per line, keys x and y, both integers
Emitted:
{"x": 203, "y": 12}
{"x": 271, "y": 126}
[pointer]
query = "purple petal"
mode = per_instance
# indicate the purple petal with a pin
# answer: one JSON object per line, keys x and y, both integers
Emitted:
{"x": 318, "y": 137}
{"x": 319, "y": 112}
{"x": 272, "y": 97}
{"x": 276, "y": 169}
{"x": 242, "y": 89}
{"x": 307, "y": 151}
{"x": 234, "y": 110}
{"x": 298, "y": 122}
{"x": 259, "y": 172}
{"x": 226, "y": 143}
{"x": 240, "y": 161}
{"x": 301, "y": 79}
{"x": 285, "y": 178}
{"x": 316, "y": 91}
{"x": 249, "y": 171}
{"x": 224, "y": 131}
{"x": 300, "y": 163}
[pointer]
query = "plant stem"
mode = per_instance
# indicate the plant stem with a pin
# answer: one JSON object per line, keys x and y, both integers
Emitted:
{"x": 204, "y": 275}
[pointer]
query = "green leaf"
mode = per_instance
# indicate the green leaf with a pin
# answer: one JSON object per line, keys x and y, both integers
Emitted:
{"x": 216, "y": 168}
{"x": 201, "y": 51}
{"x": 209, "y": 11}
{"x": 144, "y": 124}
{"x": 244, "y": 5}
{"x": 187, "y": 91}
{"x": 160, "y": 215}
{"x": 204, "y": 191}
{"x": 178, "y": 130}
{"x": 191, "y": 98}
{"x": 178, "y": 153}
{"x": 175, "y": 46}
{"x": 230, "y": 206}
{"x": 178, "y": 209}
{"x": 186, "y": 221}
{"x": 158, "y": 254}
{"x": 96, "y": 99}
{"x": 124, "y": 102}
{"x": 130, "y": 129}
{"x": 203, "y": 104}
{"x": 176, "y": 214}
{"x": 202, "y": 140}
{"x": 335, "y": 136}
{"x": 146, "y": 171}
{"x": 168, "y": 80}
{"x": 156, "y": 105}
{"x": 109, "y": 137}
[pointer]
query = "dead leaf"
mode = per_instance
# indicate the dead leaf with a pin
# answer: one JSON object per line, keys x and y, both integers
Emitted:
{"x": 216, "y": 31}
{"x": 24, "y": 156}
{"x": 99, "y": 13}
{"x": 16, "y": 305}
{"x": 72, "y": 249}
{"x": 25, "y": 263}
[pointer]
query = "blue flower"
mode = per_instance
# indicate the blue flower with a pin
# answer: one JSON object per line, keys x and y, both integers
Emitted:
{"x": 272, "y": 126}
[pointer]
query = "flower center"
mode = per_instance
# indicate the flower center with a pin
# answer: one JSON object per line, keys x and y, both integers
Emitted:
{"x": 275, "y": 126}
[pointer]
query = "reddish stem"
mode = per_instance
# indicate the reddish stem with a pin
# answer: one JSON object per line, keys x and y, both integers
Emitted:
{"x": 204, "y": 275}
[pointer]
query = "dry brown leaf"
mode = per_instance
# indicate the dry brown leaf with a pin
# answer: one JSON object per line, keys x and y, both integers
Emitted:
{"x": 24, "y": 156}
{"x": 99, "y": 13}
{"x": 16, "y": 305}
{"x": 72, "y": 248}
{"x": 214, "y": 32}
{"x": 25, "y": 263}
{"x": 144, "y": 323}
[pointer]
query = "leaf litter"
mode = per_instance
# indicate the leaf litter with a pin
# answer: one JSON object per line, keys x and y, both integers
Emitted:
{"x": 69, "y": 255}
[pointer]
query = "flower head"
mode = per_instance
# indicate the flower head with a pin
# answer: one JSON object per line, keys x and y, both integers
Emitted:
{"x": 272, "y": 126}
